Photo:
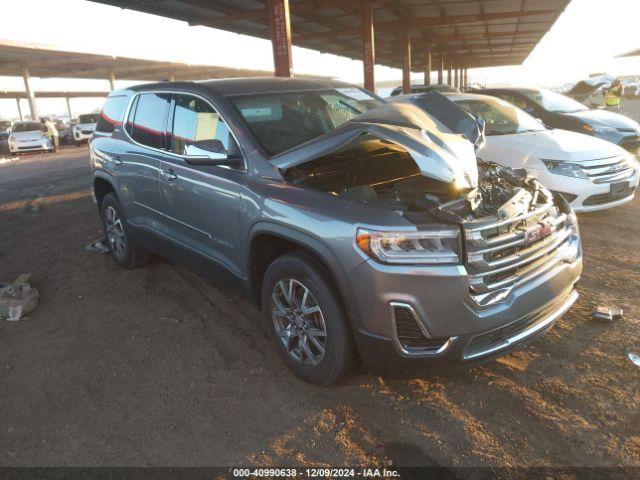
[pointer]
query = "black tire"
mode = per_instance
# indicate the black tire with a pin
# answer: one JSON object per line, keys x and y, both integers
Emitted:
{"x": 340, "y": 355}
{"x": 78, "y": 144}
{"x": 132, "y": 255}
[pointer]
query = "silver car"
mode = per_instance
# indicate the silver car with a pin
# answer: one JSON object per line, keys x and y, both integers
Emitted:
{"x": 365, "y": 231}
{"x": 29, "y": 137}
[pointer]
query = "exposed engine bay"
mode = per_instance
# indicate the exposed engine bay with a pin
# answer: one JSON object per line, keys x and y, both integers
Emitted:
{"x": 384, "y": 174}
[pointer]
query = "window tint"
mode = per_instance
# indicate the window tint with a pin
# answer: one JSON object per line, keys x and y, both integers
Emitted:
{"x": 195, "y": 120}
{"x": 146, "y": 123}
{"x": 88, "y": 118}
{"x": 517, "y": 101}
{"x": 27, "y": 127}
{"x": 111, "y": 114}
{"x": 283, "y": 120}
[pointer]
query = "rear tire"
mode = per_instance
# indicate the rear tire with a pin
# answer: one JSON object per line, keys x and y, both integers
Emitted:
{"x": 331, "y": 356}
{"x": 124, "y": 250}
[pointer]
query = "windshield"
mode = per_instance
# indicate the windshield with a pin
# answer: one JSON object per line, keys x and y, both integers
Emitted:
{"x": 500, "y": 117}
{"x": 27, "y": 127}
{"x": 554, "y": 102}
{"x": 280, "y": 121}
{"x": 90, "y": 118}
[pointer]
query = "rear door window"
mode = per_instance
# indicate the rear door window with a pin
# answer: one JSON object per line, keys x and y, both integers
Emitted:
{"x": 111, "y": 114}
{"x": 147, "y": 121}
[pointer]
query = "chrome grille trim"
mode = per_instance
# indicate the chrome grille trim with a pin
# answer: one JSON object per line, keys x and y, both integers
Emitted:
{"x": 502, "y": 254}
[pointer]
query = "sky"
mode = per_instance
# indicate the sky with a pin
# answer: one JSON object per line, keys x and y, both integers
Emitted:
{"x": 584, "y": 40}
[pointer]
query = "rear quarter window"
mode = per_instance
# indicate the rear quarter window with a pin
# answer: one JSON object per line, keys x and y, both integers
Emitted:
{"x": 111, "y": 115}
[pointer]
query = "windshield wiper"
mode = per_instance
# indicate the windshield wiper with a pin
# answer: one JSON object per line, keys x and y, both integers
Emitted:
{"x": 350, "y": 107}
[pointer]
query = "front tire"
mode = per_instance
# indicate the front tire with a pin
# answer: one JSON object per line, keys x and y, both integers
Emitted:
{"x": 123, "y": 248}
{"x": 306, "y": 320}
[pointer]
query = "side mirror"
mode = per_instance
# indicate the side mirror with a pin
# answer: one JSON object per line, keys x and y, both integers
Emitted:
{"x": 209, "y": 152}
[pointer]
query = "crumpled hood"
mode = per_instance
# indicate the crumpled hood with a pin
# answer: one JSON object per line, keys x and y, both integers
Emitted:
{"x": 605, "y": 118}
{"x": 524, "y": 150}
{"x": 33, "y": 135}
{"x": 438, "y": 153}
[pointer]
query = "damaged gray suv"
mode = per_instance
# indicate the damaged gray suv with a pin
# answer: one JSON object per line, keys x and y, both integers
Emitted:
{"x": 365, "y": 231}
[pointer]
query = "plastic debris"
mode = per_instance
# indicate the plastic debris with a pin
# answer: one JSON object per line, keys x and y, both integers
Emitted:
{"x": 17, "y": 299}
{"x": 606, "y": 314}
{"x": 99, "y": 246}
{"x": 635, "y": 359}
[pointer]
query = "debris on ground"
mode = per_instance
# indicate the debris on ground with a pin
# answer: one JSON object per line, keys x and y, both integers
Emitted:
{"x": 606, "y": 314}
{"x": 98, "y": 246}
{"x": 635, "y": 359}
{"x": 17, "y": 299}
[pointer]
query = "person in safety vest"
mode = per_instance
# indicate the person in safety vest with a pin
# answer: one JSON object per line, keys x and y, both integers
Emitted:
{"x": 613, "y": 94}
{"x": 52, "y": 133}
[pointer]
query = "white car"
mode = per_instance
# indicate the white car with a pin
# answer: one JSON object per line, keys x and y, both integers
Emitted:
{"x": 592, "y": 174}
{"x": 28, "y": 137}
{"x": 83, "y": 130}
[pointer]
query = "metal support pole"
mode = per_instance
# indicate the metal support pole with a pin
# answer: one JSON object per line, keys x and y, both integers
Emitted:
{"x": 19, "y": 109}
{"x": 456, "y": 77}
{"x": 449, "y": 76}
{"x": 368, "y": 47}
{"x": 26, "y": 76}
{"x": 427, "y": 66}
{"x": 406, "y": 62}
{"x": 441, "y": 69}
{"x": 112, "y": 80}
{"x": 172, "y": 78}
{"x": 69, "y": 107}
{"x": 280, "y": 37}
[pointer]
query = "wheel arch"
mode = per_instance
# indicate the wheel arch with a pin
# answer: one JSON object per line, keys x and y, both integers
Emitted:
{"x": 269, "y": 241}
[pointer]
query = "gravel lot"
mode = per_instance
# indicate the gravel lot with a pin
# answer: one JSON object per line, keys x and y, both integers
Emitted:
{"x": 158, "y": 367}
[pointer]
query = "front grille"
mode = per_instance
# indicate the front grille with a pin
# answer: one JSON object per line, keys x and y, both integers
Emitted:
{"x": 611, "y": 196}
{"x": 607, "y": 170}
{"x": 632, "y": 145}
{"x": 501, "y": 254}
{"x": 410, "y": 336}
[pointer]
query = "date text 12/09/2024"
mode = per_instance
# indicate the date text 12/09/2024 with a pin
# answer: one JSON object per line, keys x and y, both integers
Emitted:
{"x": 315, "y": 473}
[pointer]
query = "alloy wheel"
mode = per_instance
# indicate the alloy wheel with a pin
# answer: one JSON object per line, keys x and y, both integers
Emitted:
{"x": 298, "y": 321}
{"x": 115, "y": 232}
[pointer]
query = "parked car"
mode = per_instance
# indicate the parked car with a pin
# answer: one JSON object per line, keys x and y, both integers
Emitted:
{"x": 591, "y": 174}
{"x": 558, "y": 111}
{"x": 5, "y": 126}
{"x": 362, "y": 229}
{"x": 434, "y": 87}
{"x": 84, "y": 127}
{"x": 28, "y": 137}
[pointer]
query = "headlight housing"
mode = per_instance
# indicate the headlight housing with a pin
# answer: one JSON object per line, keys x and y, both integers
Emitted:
{"x": 433, "y": 246}
{"x": 598, "y": 128}
{"x": 565, "y": 168}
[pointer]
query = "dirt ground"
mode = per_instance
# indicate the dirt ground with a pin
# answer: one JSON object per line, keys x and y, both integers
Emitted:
{"x": 158, "y": 367}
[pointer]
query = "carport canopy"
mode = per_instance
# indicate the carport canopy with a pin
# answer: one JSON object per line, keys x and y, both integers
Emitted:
{"x": 26, "y": 60}
{"x": 414, "y": 35}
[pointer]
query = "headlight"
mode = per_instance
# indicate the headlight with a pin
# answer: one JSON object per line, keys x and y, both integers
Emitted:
{"x": 598, "y": 129}
{"x": 431, "y": 246}
{"x": 564, "y": 168}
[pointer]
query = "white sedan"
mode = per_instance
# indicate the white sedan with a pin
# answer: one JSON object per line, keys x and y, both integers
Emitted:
{"x": 28, "y": 137}
{"x": 592, "y": 174}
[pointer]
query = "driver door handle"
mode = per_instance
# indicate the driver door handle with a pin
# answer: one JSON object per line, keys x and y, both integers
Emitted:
{"x": 168, "y": 175}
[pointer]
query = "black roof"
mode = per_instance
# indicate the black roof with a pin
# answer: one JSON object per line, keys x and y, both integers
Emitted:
{"x": 250, "y": 85}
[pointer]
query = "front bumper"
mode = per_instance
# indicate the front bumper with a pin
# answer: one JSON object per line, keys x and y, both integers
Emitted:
{"x": 80, "y": 136}
{"x": 590, "y": 196}
{"x": 446, "y": 312}
{"x": 33, "y": 146}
